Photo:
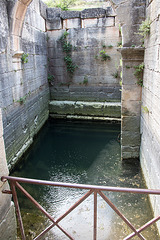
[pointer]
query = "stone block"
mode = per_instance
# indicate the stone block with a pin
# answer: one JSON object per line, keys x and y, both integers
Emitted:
{"x": 72, "y": 23}
{"x": 62, "y": 107}
{"x": 43, "y": 9}
{"x": 54, "y": 24}
{"x": 131, "y": 93}
{"x": 8, "y": 226}
{"x": 131, "y": 123}
{"x": 110, "y": 12}
{"x": 130, "y": 139}
{"x": 89, "y": 108}
{"x": 106, "y": 22}
{"x": 132, "y": 153}
{"x": 131, "y": 108}
{"x": 53, "y": 13}
{"x": 89, "y": 23}
{"x": 93, "y": 13}
{"x": 1, "y": 124}
{"x": 112, "y": 109}
{"x": 70, "y": 14}
{"x": 3, "y": 164}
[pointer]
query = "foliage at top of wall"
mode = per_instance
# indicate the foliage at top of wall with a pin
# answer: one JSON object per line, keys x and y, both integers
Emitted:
{"x": 67, "y": 48}
{"x": 63, "y": 4}
{"x": 144, "y": 28}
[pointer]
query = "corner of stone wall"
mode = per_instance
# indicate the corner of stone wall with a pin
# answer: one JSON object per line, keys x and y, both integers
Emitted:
{"x": 7, "y": 212}
{"x": 131, "y": 103}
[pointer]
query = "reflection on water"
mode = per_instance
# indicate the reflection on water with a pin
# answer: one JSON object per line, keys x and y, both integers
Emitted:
{"x": 86, "y": 153}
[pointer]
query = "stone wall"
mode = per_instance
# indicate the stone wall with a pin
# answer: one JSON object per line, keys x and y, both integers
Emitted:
{"x": 24, "y": 91}
{"x": 7, "y": 213}
{"x": 131, "y": 103}
{"x": 150, "y": 124}
{"x": 89, "y": 32}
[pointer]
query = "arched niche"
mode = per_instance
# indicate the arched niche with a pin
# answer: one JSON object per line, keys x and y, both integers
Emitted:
{"x": 18, "y": 15}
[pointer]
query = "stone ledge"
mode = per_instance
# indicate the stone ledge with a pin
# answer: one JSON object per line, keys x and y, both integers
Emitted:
{"x": 81, "y": 108}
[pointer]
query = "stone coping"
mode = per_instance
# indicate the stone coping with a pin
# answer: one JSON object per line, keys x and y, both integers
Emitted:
{"x": 52, "y": 13}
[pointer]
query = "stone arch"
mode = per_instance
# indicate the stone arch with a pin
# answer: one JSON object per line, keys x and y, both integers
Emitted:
{"x": 18, "y": 15}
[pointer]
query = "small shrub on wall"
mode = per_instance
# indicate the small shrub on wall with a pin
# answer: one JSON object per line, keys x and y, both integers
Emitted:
{"x": 67, "y": 48}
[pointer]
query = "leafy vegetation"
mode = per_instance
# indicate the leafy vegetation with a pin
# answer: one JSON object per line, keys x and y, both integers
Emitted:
{"x": 63, "y": 4}
{"x": 139, "y": 73}
{"x": 67, "y": 48}
{"x": 50, "y": 78}
{"x": 85, "y": 81}
{"x": 104, "y": 56}
{"x": 24, "y": 58}
{"x": 22, "y": 100}
{"x": 119, "y": 44}
{"x": 144, "y": 29}
{"x": 145, "y": 109}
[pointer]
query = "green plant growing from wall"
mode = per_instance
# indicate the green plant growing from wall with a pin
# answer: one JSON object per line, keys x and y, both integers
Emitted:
{"x": 145, "y": 109}
{"x": 139, "y": 73}
{"x": 104, "y": 56}
{"x": 128, "y": 67}
{"x": 104, "y": 45}
{"x": 67, "y": 48}
{"x": 116, "y": 74}
{"x": 50, "y": 79}
{"x": 85, "y": 81}
{"x": 24, "y": 58}
{"x": 144, "y": 29}
{"x": 110, "y": 46}
{"x": 22, "y": 100}
{"x": 119, "y": 44}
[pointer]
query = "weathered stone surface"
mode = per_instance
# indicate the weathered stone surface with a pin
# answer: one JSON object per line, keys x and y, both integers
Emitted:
{"x": 93, "y": 13}
{"x": 110, "y": 12}
{"x": 100, "y": 22}
{"x": 130, "y": 139}
{"x": 129, "y": 123}
{"x": 96, "y": 109}
{"x": 150, "y": 124}
{"x": 131, "y": 101}
{"x": 53, "y": 13}
{"x": 8, "y": 224}
{"x": 70, "y": 14}
{"x": 23, "y": 82}
{"x": 72, "y": 23}
{"x": 54, "y": 24}
{"x": 130, "y": 153}
{"x": 43, "y": 9}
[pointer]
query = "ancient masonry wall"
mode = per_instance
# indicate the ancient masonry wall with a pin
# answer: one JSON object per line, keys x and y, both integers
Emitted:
{"x": 150, "y": 123}
{"x": 90, "y": 32}
{"x": 7, "y": 211}
{"x": 24, "y": 91}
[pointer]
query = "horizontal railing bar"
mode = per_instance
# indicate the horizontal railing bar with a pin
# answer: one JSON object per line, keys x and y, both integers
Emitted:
{"x": 82, "y": 186}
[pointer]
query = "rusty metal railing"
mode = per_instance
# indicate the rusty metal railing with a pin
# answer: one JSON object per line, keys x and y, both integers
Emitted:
{"x": 92, "y": 189}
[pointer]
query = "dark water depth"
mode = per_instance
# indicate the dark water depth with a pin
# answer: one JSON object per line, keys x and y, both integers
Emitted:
{"x": 87, "y": 153}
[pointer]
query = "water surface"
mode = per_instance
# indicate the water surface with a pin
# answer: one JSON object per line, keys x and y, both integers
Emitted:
{"x": 87, "y": 153}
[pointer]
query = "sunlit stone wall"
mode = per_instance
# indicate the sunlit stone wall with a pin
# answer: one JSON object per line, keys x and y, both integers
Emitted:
{"x": 24, "y": 91}
{"x": 90, "y": 32}
{"x": 150, "y": 117}
{"x": 7, "y": 213}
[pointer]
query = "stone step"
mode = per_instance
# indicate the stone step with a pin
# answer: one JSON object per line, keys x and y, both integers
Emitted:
{"x": 86, "y": 109}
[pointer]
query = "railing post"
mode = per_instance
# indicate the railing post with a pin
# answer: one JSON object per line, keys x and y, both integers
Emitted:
{"x": 14, "y": 194}
{"x": 95, "y": 216}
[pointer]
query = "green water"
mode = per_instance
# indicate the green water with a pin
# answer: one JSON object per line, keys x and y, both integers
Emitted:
{"x": 87, "y": 153}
